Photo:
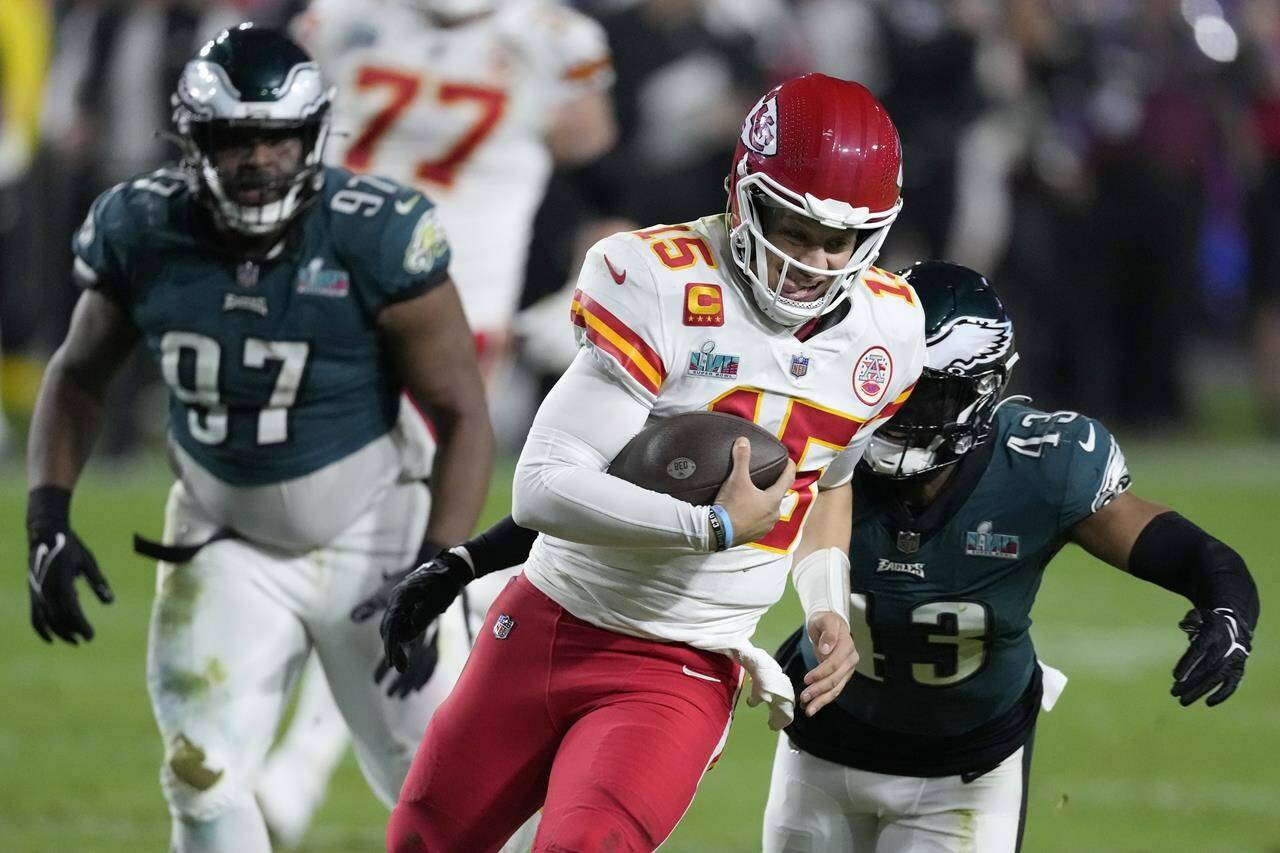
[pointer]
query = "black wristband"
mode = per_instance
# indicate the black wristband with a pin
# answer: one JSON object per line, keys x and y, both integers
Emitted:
{"x": 1174, "y": 553}
{"x": 502, "y": 546}
{"x": 48, "y": 506}
{"x": 718, "y": 532}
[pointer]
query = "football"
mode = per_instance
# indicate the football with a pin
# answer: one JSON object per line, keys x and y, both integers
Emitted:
{"x": 688, "y": 456}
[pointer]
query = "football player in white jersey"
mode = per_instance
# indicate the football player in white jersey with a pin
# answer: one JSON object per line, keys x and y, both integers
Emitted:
{"x": 603, "y": 682}
{"x": 472, "y": 102}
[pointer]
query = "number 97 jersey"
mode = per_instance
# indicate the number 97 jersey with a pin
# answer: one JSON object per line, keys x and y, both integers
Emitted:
{"x": 462, "y": 113}
{"x": 275, "y": 367}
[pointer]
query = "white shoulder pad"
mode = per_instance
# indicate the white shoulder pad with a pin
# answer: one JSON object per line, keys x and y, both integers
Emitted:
{"x": 563, "y": 45}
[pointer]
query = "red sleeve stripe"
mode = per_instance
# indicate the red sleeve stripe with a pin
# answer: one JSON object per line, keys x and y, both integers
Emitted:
{"x": 611, "y": 335}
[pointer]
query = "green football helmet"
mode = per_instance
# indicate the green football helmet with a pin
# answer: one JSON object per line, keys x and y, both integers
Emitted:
{"x": 251, "y": 85}
{"x": 970, "y": 355}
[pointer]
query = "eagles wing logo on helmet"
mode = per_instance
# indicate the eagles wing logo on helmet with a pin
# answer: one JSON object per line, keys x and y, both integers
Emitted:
{"x": 760, "y": 132}
{"x": 969, "y": 341}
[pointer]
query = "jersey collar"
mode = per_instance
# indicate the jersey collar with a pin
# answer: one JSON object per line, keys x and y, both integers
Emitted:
{"x": 886, "y": 498}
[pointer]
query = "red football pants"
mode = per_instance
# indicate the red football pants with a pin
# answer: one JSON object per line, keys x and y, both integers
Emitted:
{"x": 610, "y": 734}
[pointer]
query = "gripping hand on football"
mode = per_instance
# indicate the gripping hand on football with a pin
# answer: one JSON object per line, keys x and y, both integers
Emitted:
{"x": 56, "y": 557}
{"x": 753, "y": 512}
{"x": 1220, "y": 645}
{"x": 418, "y": 600}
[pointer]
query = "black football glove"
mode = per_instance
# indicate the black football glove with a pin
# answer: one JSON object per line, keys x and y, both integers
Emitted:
{"x": 422, "y": 654}
{"x": 418, "y": 600}
{"x": 1220, "y": 645}
{"x": 56, "y": 557}
{"x": 377, "y": 602}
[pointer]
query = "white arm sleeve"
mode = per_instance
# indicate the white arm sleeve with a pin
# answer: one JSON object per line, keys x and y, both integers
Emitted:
{"x": 560, "y": 486}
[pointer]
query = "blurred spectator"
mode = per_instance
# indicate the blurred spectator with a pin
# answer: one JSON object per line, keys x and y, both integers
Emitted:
{"x": 683, "y": 86}
{"x": 1111, "y": 193}
{"x": 1261, "y": 22}
{"x": 24, "y": 47}
{"x": 928, "y": 49}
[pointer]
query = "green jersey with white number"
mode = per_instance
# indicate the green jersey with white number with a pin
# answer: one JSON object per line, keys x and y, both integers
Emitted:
{"x": 941, "y": 600}
{"x": 275, "y": 367}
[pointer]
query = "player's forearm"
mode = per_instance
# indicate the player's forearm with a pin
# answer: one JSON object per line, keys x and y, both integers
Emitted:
{"x": 460, "y": 474}
{"x": 502, "y": 546}
{"x": 561, "y": 489}
{"x": 1177, "y": 555}
{"x": 582, "y": 130}
{"x": 830, "y": 523}
{"x": 820, "y": 566}
{"x": 67, "y": 419}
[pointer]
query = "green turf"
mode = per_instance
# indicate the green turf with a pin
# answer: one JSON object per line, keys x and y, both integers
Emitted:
{"x": 1118, "y": 765}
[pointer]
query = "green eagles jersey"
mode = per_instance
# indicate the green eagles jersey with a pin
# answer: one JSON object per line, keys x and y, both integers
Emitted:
{"x": 275, "y": 368}
{"x": 941, "y": 601}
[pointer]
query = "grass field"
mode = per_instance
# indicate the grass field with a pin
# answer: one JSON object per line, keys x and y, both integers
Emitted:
{"x": 1119, "y": 766}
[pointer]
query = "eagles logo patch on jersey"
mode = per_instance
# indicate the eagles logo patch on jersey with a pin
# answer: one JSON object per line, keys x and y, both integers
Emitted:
{"x": 428, "y": 245}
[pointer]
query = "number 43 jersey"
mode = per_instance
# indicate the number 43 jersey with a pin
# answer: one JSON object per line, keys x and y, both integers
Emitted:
{"x": 275, "y": 368}
{"x": 941, "y": 601}
{"x": 663, "y": 312}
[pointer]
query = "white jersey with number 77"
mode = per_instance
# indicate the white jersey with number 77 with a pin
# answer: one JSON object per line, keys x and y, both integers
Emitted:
{"x": 461, "y": 113}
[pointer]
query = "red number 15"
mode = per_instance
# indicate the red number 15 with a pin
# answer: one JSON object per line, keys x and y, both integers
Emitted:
{"x": 805, "y": 424}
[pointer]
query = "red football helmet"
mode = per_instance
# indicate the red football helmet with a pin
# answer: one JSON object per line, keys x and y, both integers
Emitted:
{"x": 825, "y": 149}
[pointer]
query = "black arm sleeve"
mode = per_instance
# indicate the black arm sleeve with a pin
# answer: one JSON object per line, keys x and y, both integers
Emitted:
{"x": 1174, "y": 553}
{"x": 502, "y": 546}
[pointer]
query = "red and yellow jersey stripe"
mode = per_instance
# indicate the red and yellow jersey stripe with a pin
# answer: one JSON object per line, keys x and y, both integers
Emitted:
{"x": 609, "y": 334}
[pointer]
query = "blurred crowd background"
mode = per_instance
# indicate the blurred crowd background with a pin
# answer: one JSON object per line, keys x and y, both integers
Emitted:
{"x": 1113, "y": 165}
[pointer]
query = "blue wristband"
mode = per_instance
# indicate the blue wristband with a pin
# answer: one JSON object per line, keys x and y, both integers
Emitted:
{"x": 721, "y": 527}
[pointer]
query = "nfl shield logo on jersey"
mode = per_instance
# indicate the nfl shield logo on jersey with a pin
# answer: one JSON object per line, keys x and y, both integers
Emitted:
{"x": 502, "y": 626}
{"x": 247, "y": 274}
{"x": 799, "y": 365}
{"x": 908, "y": 541}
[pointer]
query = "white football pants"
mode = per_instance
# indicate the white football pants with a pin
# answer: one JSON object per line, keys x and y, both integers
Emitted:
{"x": 229, "y": 633}
{"x": 816, "y": 806}
{"x": 297, "y": 772}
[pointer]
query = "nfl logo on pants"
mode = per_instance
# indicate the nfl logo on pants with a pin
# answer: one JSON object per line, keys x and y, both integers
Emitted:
{"x": 502, "y": 626}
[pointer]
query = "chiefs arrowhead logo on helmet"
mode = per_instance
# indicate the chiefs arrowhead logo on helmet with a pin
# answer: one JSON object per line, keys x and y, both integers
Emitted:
{"x": 760, "y": 130}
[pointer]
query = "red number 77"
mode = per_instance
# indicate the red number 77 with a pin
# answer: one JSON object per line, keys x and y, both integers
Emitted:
{"x": 404, "y": 88}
